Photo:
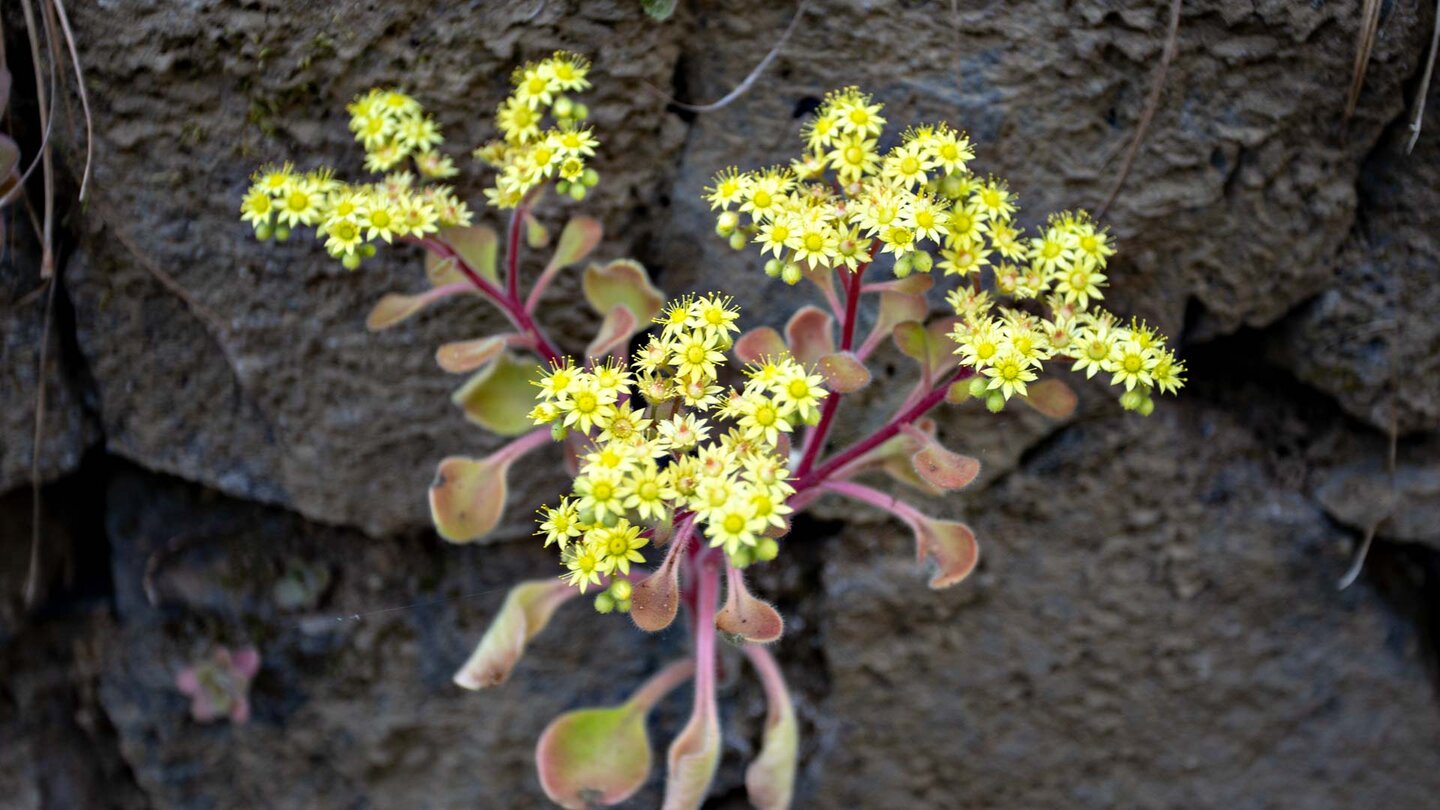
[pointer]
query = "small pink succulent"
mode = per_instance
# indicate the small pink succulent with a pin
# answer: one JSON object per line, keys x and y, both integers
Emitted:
{"x": 219, "y": 686}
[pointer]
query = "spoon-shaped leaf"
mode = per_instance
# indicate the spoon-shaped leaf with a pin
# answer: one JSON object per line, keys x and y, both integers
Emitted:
{"x": 950, "y": 545}
{"x": 579, "y": 237}
{"x": 770, "y": 779}
{"x": 615, "y": 330}
{"x": 622, "y": 282}
{"x": 844, "y": 373}
{"x": 527, "y": 609}
{"x": 477, "y": 245}
{"x": 758, "y": 344}
{"x": 599, "y": 757}
{"x": 655, "y": 601}
{"x": 394, "y": 308}
{"x": 938, "y": 465}
{"x": 499, "y": 397}
{"x": 747, "y": 616}
{"x": 468, "y": 495}
{"x": 1051, "y": 397}
{"x": 811, "y": 334}
{"x": 464, "y": 356}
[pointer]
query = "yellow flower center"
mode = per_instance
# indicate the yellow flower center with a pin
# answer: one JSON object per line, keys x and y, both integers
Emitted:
{"x": 854, "y": 155}
{"x": 380, "y": 218}
{"x": 1133, "y": 363}
{"x": 298, "y": 200}
{"x": 602, "y": 491}
{"x": 765, "y": 416}
{"x": 814, "y": 242}
{"x": 586, "y": 403}
{"x": 909, "y": 165}
{"x": 762, "y": 198}
{"x": 618, "y": 545}
{"x": 733, "y": 523}
{"x": 798, "y": 389}
{"x": 649, "y": 491}
{"x": 949, "y": 151}
{"x": 695, "y": 355}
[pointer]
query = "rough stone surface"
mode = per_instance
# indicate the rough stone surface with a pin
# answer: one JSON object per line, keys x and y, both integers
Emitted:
{"x": 1372, "y": 340}
{"x": 1155, "y": 622}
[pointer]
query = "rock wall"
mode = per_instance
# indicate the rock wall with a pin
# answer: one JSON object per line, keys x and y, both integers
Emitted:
{"x": 233, "y": 460}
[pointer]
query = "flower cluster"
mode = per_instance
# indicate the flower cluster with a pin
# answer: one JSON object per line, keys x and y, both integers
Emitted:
{"x": 350, "y": 216}
{"x": 844, "y": 203}
{"x": 666, "y": 443}
{"x": 526, "y": 155}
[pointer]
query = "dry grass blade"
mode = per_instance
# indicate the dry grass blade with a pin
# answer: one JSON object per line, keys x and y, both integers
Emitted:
{"x": 59, "y": 7}
{"x": 1152, "y": 103}
{"x": 1364, "y": 44}
{"x": 1424, "y": 88}
{"x": 32, "y": 575}
{"x": 750, "y": 79}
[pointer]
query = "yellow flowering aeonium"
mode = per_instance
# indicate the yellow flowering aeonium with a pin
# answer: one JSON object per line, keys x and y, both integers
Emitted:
{"x": 665, "y": 442}
{"x": 843, "y": 204}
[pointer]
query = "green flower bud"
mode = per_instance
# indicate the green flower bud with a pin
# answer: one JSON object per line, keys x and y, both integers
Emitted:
{"x": 562, "y": 186}
{"x": 1132, "y": 399}
{"x": 978, "y": 386}
{"x": 738, "y": 240}
{"x": 581, "y": 112}
{"x": 577, "y": 191}
{"x": 604, "y": 602}
{"x": 621, "y": 590}
{"x": 791, "y": 274}
{"x": 623, "y": 605}
{"x": 564, "y": 107}
{"x": 767, "y": 549}
{"x": 725, "y": 224}
{"x": 263, "y": 231}
{"x": 558, "y": 432}
{"x": 904, "y": 265}
{"x": 922, "y": 261}
{"x": 281, "y": 233}
{"x": 350, "y": 261}
{"x": 367, "y": 251}
{"x": 995, "y": 402}
{"x": 952, "y": 186}
{"x": 773, "y": 268}
{"x": 1147, "y": 407}
{"x": 590, "y": 177}
{"x": 741, "y": 558}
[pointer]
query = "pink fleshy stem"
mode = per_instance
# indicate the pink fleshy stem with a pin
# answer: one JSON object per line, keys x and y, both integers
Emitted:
{"x": 777, "y": 696}
{"x": 523, "y": 445}
{"x": 661, "y": 684}
{"x": 510, "y": 305}
{"x": 815, "y": 438}
{"x": 707, "y": 589}
{"x": 512, "y": 250}
{"x": 877, "y": 499}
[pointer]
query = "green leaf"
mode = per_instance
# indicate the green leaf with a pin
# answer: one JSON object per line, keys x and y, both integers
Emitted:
{"x": 500, "y": 396}
{"x": 577, "y": 240}
{"x": 770, "y": 779}
{"x": 476, "y": 244}
{"x": 810, "y": 334}
{"x": 659, "y": 10}
{"x": 693, "y": 757}
{"x": 536, "y": 235}
{"x": 599, "y": 757}
{"x": 622, "y": 281}
{"x": 468, "y": 497}
{"x": 527, "y": 609}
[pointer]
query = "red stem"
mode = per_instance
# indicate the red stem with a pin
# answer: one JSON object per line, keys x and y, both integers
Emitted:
{"x": 813, "y": 478}
{"x": 508, "y": 304}
{"x": 815, "y": 439}
{"x": 512, "y": 253}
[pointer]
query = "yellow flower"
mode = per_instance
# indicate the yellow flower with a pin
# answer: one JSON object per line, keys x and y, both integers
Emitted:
{"x": 599, "y": 492}
{"x": 1008, "y": 374}
{"x": 617, "y": 546}
{"x": 299, "y": 202}
{"x": 696, "y": 357}
{"x": 560, "y": 523}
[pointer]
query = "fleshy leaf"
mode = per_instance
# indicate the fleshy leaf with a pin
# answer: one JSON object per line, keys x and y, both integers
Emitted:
{"x": 747, "y": 616}
{"x": 810, "y": 334}
{"x": 929, "y": 345}
{"x": 770, "y": 779}
{"x": 1051, "y": 397}
{"x": 393, "y": 308}
{"x": 692, "y": 759}
{"x": 822, "y": 277}
{"x": 950, "y": 544}
{"x": 622, "y": 281}
{"x": 759, "y": 343}
{"x": 940, "y": 466}
{"x": 910, "y": 339}
{"x": 465, "y": 356}
{"x": 615, "y": 330}
{"x": 897, "y": 307}
{"x": 499, "y": 397}
{"x": 844, "y": 373}
{"x": 527, "y": 609}
{"x": 579, "y": 237}
{"x": 914, "y": 284}
{"x": 476, "y": 244}
{"x": 536, "y": 234}
{"x": 655, "y": 601}
{"x": 468, "y": 496}
{"x": 600, "y": 757}
{"x": 219, "y": 687}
